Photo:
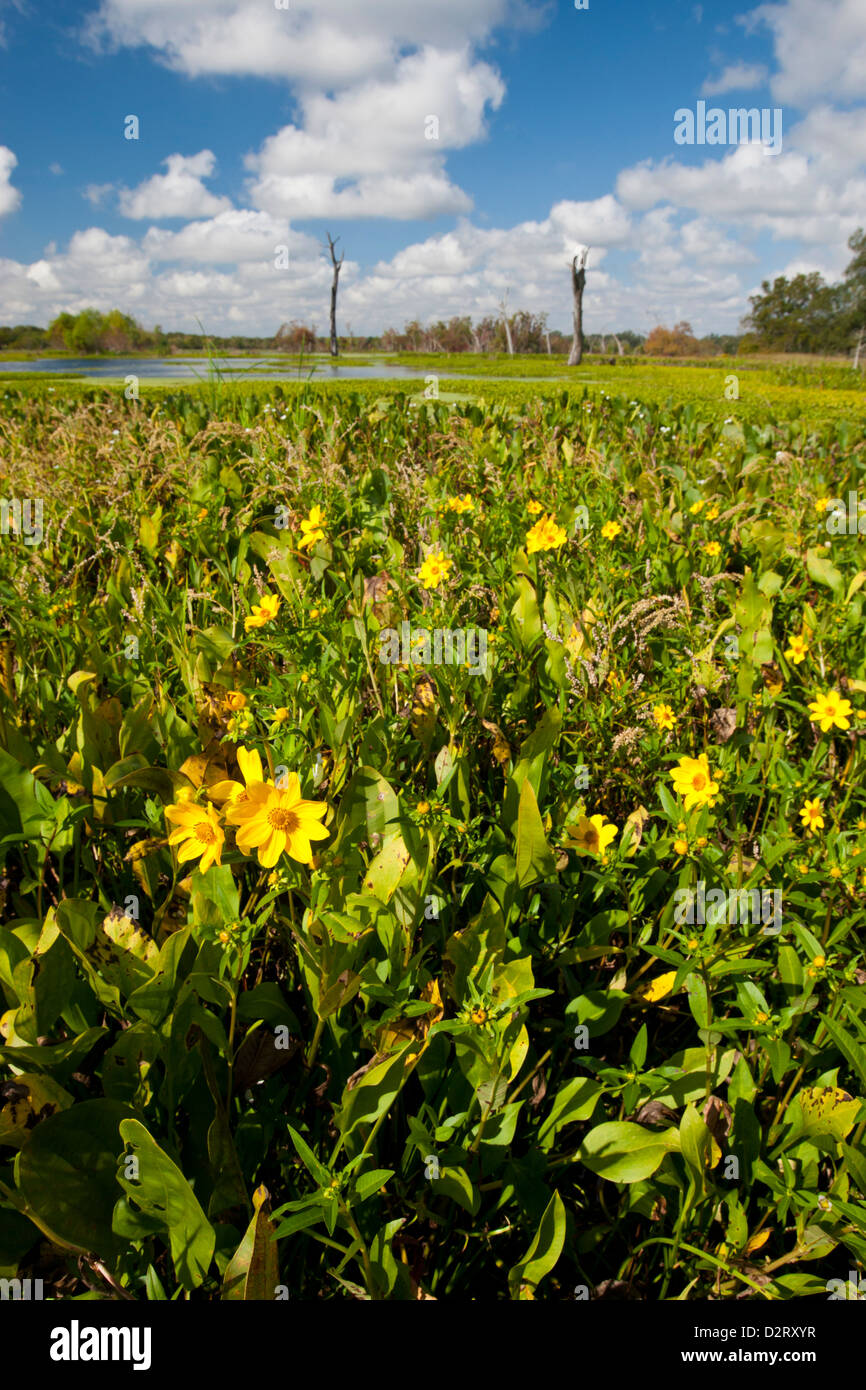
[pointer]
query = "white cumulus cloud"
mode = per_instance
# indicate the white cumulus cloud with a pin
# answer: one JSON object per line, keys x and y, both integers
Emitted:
{"x": 178, "y": 193}
{"x": 10, "y": 198}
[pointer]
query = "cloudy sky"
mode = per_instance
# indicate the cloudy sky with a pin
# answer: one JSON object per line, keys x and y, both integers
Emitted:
{"x": 264, "y": 123}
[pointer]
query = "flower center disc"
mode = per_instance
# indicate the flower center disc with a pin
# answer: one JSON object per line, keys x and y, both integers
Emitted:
{"x": 286, "y": 821}
{"x": 205, "y": 833}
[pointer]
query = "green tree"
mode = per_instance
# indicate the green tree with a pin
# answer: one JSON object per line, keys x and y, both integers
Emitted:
{"x": 803, "y": 314}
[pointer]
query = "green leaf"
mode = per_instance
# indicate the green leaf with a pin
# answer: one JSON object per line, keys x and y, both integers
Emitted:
{"x": 851, "y": 1050}
{"x": 457, "y": 1184}
{"x": 535, "y": 859}
{"x": 162, "y": 1192}
{"x": 371, "y": 1183}
{"x": 317, "y": 1171}
{"x": 215, "y": 896}
{"x": 525, "y": 615}
{"x": 575, "y": 1101}
{"x": 626, "y": 1152}
{"x": 376, "y": 1092}
{"x": 544, "y": 1251}
{"x": 386, "y": 870}
{"x": 67, "y": 1175}
{"x": 823, "y": 571}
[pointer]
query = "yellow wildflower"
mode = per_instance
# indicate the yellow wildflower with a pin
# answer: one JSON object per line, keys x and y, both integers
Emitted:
{"x": 545, "y": 535}
{"x": 798, "y": 648}
{"x": 273, "y": 822}
{"x": 812, "y": 816}
{"x": 830, "y": 711}
{"x": 311, "y": 529}
{"x": 591, "y": 835}
{"x": 263, "y": 612}
{"x": 434, "y": 569}
{"x": 664, "y": 717}
{"x": 693, "y": 781}
{"x": 198, "y": 833}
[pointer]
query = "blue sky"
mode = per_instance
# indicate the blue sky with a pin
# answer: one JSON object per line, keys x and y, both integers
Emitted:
{"x": 261, "y": 127}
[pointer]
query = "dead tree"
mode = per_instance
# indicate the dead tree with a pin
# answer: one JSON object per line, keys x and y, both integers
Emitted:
{"x": 338, "y": 266}
{"x": 859, "y": 348}
{"x": 578, "y": 280}
{"x": 503, "y": 309}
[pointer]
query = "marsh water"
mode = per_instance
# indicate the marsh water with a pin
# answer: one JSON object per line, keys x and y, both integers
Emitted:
{"x": 239, "y": 368}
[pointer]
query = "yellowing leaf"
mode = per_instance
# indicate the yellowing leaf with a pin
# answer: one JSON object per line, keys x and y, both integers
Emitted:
{"x": 659, "y": 987}
{"x": 757, "y": 1242}
{"x": 31, "y": 1098}
{"x": 501, "y": 750}
{"x": 126, "y": 936}
{"x": 632, "y": 833}
{"x": 827, "y": 1110}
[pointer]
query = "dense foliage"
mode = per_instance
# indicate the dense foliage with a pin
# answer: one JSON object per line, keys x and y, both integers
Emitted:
{"x": 330, "y": 969}
{"x": 805, "y": 314}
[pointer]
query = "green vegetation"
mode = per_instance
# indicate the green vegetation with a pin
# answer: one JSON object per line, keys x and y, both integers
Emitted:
{"x": 465, "y": 1020}
{"x": 805, "y": 314}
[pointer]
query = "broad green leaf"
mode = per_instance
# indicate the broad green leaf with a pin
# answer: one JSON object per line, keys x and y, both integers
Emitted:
{"x": 456, "y": 1184}
{"x": 575, "y": 1101}
{"x": 535, "y": 859}
{"x": 376, "y": 1091}
{"x": 386, "y": 870}
{"x": 626, "y": 1152}
{"x": 162, "y": 1192}
{"x": 822, "y": 570}
{"x": 542, "y": 1254}
{"x": 851, "y": 1050}
{"x": 67, "y": 1175}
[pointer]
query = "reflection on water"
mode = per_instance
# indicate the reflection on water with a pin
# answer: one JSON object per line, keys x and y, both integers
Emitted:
{"x": 237, "y": 369}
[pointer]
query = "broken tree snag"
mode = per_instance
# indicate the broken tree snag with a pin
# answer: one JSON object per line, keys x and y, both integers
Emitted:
{"x": 338, "y": 266}
{"x": 578, "y": 280}
{"x": 503, "y": 311}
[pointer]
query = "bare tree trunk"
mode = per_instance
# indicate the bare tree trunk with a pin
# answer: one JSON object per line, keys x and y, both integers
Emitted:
{"x": 619, "y": 346}
{"x": 503, "y": 309}
{"x": 603, "y": 348}
{"x": 476, "y": 341}
{"x": 338, "y": 266}
{"x": 578, "y": 280}
{"x": 547, "y": 337}
{"x": 859, "y": 348}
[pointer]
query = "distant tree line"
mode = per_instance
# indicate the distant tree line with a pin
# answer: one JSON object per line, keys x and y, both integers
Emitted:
{"x": 800, "y": 314}
{"x": 805, "y": 314}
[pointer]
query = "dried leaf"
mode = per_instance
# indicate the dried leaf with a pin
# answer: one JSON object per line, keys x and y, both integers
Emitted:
{"x": 723, "y": 723}
{"x": 501, "y": 750}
